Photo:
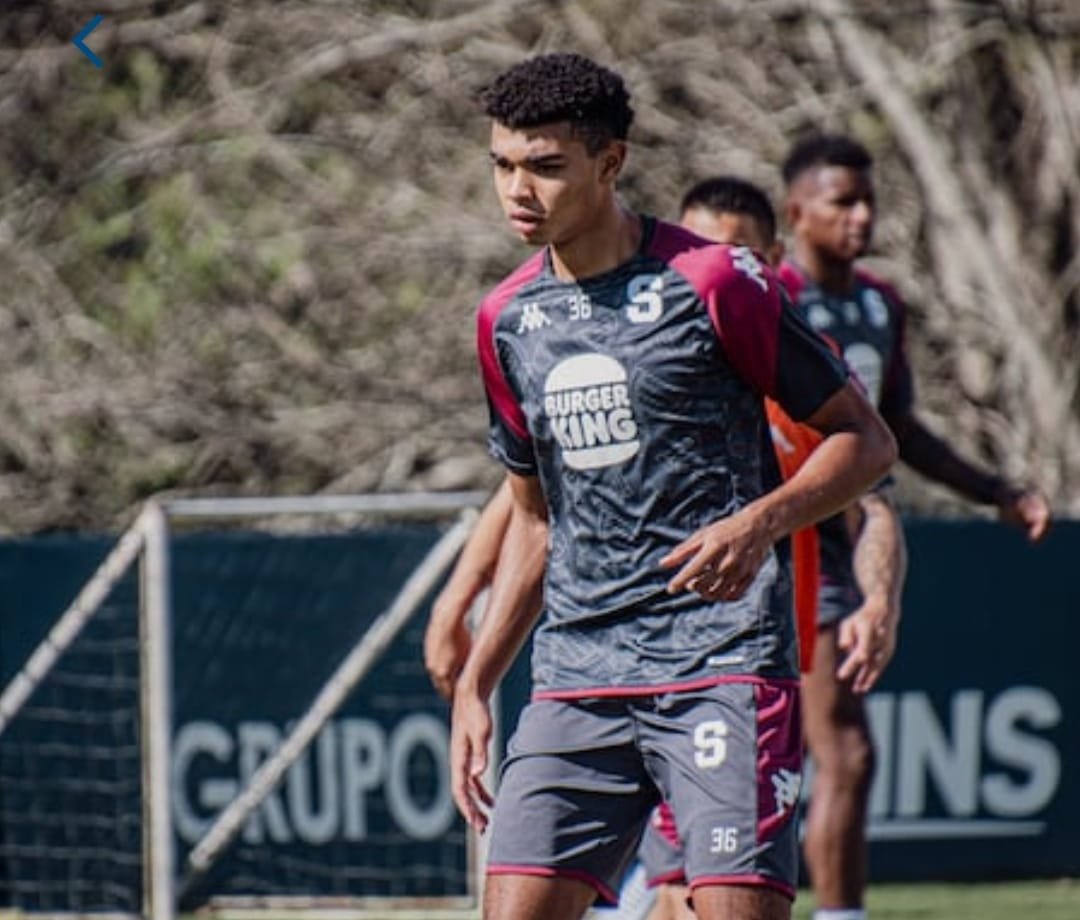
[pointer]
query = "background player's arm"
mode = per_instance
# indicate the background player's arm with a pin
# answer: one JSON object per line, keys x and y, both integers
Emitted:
{"x": 447, "y": 639}
{"x": 934, "y": 458}
{"x": 720, "y": 560}
{"x": 512, "y": 610}
{"x": 880, "y": 561}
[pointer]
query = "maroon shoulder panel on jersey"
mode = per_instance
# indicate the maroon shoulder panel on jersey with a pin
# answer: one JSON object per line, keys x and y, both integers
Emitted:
{"x": 498, "y": 390}
{"x": 743, "y": 300}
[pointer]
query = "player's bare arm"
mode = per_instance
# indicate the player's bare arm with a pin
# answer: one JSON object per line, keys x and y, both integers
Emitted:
{"x": 720, "y": 560}
{"x": 880, "y": 562}
{"x": 1025, "y": 507}
{"x": 511, "y": 613}
{"x": 447, "y": 639}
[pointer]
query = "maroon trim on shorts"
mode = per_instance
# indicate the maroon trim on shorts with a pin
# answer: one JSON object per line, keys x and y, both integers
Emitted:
{"x": 762, "y": 881}
{"x": 779, "y": 758}
{"x": 607, "y": 895}
{"x": 700, "y": 683}
{"x": 674, "y": 877}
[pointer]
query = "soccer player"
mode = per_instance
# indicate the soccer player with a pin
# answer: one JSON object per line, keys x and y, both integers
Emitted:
{"x": 830, "y": 209}
{"x": 727, "y": 209}
{"x": 625, "y": 365}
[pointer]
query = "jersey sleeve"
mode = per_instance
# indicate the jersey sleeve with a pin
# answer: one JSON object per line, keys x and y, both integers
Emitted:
{"x": 509, "y": 440}
{"x": 898, "y": 385}
{"x": 764, "y": 338}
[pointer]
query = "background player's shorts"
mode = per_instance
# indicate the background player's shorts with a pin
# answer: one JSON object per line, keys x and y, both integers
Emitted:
{"x": 836, "y": 601}
{"x": 581, "y": 777}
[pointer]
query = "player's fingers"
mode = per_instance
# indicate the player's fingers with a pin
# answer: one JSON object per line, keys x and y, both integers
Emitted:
{"x": 459, "y": 780}
{"x": 682, "y": 552}
{"x": 699, "y": 570}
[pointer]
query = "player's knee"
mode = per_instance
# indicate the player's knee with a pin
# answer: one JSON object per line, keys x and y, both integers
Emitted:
{"x": 849, "y": 760}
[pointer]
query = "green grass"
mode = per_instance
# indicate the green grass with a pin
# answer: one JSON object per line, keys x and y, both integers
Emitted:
{"x": 1050, "y": 900}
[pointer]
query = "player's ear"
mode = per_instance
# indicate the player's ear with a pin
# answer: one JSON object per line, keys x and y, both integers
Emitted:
{"x": 612, "y": 158}
{"x": 775, "y": 253}
{"x": 792, "y": 210}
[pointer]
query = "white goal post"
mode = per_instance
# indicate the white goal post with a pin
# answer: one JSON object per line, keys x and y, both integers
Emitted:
{"x": 149, "y": 540}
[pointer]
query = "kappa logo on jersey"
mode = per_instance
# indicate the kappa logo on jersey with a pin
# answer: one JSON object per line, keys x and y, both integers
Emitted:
{"x": 532, "y": 318}
{"x": 744, "y": 261}
{"x": 587, "y": 401}
{"x": 786, "y": 785}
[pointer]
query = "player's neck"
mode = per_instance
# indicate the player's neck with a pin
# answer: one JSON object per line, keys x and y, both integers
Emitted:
{"x": 607, "y": 243}
{"x": 833, "y": 275}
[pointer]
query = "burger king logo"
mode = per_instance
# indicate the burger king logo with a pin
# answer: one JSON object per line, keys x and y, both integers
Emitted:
{"x": 587, "y": 401}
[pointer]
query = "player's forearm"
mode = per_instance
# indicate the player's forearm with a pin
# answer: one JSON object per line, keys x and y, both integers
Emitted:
{"x": 513, "y": 606}
{"x": 475, "y": 567}
{"x": 929, "y": 455}
{"x": 880, "y": 554}
{"x": 856, "y": 453}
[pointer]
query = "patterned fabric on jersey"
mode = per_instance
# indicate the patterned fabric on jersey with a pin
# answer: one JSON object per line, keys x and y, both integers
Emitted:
{"x": 636, "y": 397}
{"x": 793, "y": 444}
{"x": 867, "y": 326}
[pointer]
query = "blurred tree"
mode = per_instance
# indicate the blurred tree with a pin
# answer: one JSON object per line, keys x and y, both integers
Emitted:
{"x": 244, "y": 256}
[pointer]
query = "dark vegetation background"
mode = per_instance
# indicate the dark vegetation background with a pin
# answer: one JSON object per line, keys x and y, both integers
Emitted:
{"x": 243, "y": 257}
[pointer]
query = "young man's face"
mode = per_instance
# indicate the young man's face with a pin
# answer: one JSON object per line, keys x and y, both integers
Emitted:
{"x": 549, "y": 187}
{"x": 831, "y": 208}
{"x": 733, "y": 228}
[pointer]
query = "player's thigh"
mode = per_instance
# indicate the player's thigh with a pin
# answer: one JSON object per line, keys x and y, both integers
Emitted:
{"x": 737, "y": 902}
{"x": 832, "y": 711}
{"x": 533, "y": 897}
{"x": 728, "y": 759}
{"x": 573, "y": 795}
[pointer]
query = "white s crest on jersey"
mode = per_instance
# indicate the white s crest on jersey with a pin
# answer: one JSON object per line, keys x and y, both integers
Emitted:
{"x": 646, "y": 300}
{"x": 877, "y": 313}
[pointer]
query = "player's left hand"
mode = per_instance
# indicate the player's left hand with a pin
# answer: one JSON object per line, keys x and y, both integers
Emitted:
{"x": 1027, "y": 509}
{"x": 720, "y": 560}
{"x": 470, "y": 734}
{"x": 868, "y": 637}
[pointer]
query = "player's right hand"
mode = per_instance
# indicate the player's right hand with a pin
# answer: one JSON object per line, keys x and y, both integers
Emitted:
{"x": 447, "y": 642}
{"x": 470, "y": 734}
{"x": 1027, "y": 509}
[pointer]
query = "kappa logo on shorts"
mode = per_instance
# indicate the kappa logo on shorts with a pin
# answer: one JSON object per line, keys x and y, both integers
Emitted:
{"x": 786, "y": 786}
{"x": 587, "y": 402}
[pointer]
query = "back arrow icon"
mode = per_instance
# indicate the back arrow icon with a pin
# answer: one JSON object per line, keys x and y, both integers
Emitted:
{"x": 77, "y": 41}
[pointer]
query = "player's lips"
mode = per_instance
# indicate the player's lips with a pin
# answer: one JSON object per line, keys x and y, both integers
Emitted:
{"x": 524, "y": 221}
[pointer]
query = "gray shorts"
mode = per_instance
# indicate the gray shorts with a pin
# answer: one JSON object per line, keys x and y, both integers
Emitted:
{"x": 582, "y": 776}
{"x": 836, "y": 601}
{"x": 661, "y": 851}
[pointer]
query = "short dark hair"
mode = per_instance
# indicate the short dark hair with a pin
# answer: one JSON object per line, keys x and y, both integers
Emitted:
{"x": 732, "y": 195}
{"x": 562, "y": 87}
{"x": 825, "y": 150}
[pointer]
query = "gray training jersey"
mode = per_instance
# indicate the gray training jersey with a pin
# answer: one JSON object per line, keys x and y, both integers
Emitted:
{"x": 636, "y": 398}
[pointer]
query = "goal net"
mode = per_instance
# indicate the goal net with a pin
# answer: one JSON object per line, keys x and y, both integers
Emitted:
{"x": 239, "y": 719}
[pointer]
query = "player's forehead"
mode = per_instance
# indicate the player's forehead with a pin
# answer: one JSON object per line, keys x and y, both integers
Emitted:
{"x": 732, "y": 227}
{"x": 828, "y": 181}
{"x": 517, "y": 144}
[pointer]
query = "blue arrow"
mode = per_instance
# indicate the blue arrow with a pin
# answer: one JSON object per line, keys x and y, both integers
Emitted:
{"x": 77, "y": 41}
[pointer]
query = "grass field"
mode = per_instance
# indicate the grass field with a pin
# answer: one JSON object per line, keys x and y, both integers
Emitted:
{"x": 1051, "y": 900}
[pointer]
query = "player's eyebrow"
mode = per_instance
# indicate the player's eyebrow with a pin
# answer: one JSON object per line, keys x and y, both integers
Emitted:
{"x": 547, "y": 159}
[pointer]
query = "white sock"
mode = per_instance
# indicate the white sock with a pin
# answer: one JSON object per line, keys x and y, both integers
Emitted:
{"x": 840, "y": 913}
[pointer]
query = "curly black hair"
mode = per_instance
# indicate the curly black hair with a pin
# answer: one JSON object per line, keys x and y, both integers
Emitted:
{"x": 825, "y": 150}
{"x": 732, "y": 195}
{"x": 562, "y": 87}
